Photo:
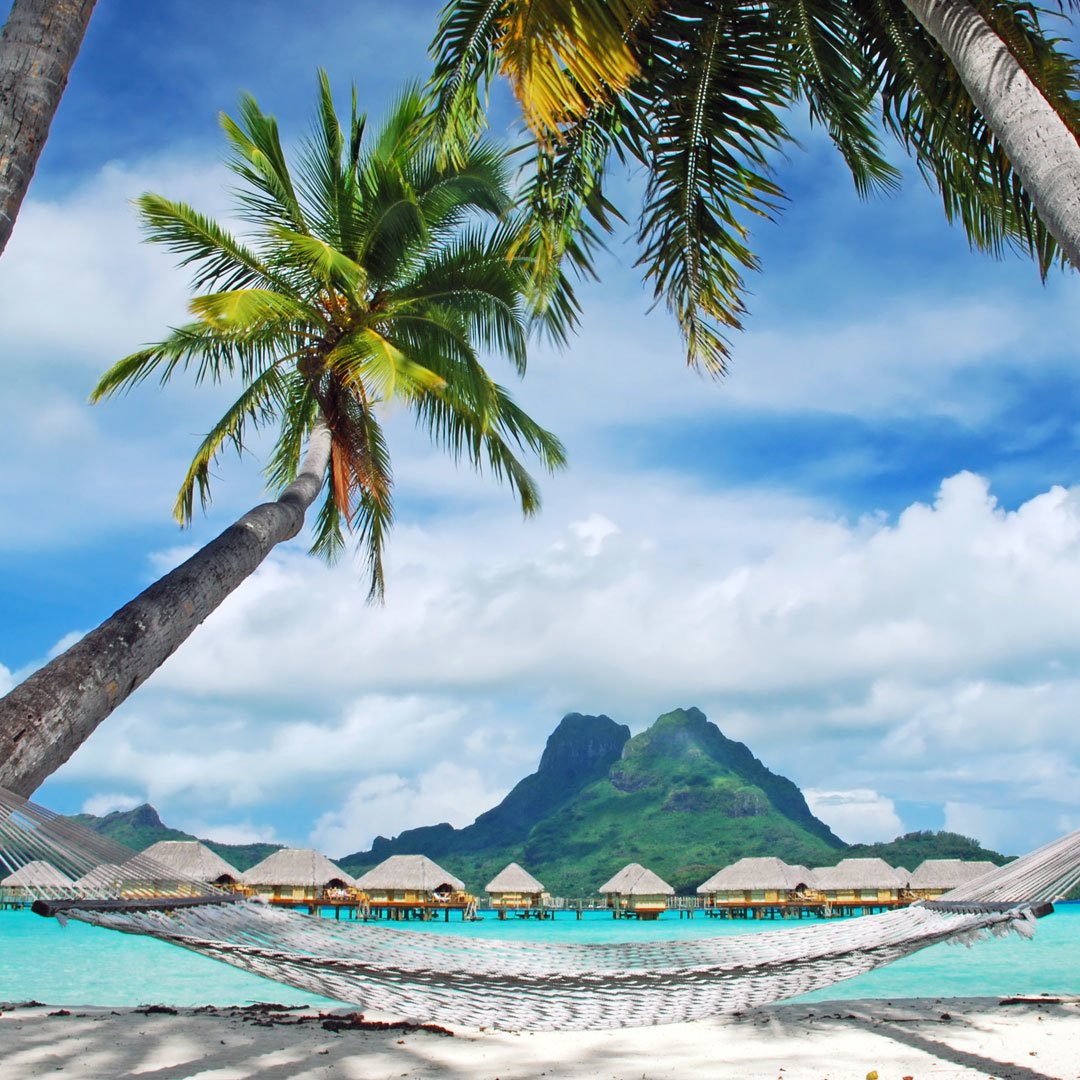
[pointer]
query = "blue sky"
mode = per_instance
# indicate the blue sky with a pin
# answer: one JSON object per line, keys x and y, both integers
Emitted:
{"x": 858, "y": 553}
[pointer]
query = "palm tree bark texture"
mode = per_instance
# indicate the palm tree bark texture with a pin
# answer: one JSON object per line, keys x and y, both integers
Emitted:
{"x": 1041, "y": 148}
{"x": 38, "y": 47}
{"x": 44, "y": 720}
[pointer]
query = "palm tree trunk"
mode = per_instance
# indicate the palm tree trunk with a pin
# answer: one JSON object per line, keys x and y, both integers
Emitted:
{"x": 1042, "y": 149}
{"x": 38, "y": 45}
{"x": 45, "y": 719}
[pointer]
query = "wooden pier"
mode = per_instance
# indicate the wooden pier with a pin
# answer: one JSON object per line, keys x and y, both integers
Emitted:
{"x": 802, "y": 909}
{"x": 366, "y": 910}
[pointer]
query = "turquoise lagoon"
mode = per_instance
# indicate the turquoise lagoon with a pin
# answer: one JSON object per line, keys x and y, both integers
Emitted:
{"x": 83, "y": 965}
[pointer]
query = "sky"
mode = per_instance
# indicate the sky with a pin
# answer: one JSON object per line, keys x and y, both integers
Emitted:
{"x": 859, "y": 552}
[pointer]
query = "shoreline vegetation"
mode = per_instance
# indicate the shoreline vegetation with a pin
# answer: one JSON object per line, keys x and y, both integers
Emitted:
{"x": 1006, "y": 1038}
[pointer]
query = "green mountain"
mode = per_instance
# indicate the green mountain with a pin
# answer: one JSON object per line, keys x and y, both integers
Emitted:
{"x": 912, "y": 848}
{"x": 141, "y": 827}
{"x": 680, "y": 797}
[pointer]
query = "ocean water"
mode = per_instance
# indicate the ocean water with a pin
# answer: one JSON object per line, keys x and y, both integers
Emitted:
{"x": 84, "y": 965}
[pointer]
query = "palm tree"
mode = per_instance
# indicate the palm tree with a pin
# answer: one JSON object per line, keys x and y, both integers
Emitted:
{"x": 38, "y": 46}
{"x": 697, "y": 91}
{"x": 379, "y": 269}
{"x": 1040, "y": 142}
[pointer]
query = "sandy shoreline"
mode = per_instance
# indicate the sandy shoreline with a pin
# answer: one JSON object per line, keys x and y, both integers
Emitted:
{"x": 843, "y": 1040}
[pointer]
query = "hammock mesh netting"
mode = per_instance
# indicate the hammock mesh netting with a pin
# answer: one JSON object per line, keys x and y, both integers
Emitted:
{"x": 537, "y": 985}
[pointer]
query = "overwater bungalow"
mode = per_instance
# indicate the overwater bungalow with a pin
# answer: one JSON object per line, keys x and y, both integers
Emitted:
{"x": 404, "y": 886}
{"x": 936, "y": 876}
{"x": 760, "y": 883}
{"x": 298, "y": 876}
{"x": 35, "y": 879}
{"x": 637, "y": 892}
{"x": 105, "y": 880}
{"x": 193, "y": 861}
{"x": 860, "y": 883}
{"x": 514, "y": 889}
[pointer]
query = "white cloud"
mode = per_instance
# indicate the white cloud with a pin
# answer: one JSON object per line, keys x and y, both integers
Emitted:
{"x": 892, "y": 655}
{"x": 862, "y": 816}
{"x": 243, "y": 832}
{"x": 387, "y": 804}
{"x": 926, "y": 659}
{"x": 103, "y": 804}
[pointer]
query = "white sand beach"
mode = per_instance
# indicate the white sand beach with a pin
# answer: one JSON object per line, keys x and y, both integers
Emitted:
{"x": 843, "y": 1040}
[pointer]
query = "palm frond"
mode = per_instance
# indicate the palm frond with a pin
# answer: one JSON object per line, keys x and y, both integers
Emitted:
{"x": 329, "y": 266}
{"x": 254, "y": 309}
{"x": 259, "y": 160}
{"x": 225, "y": 262}
{"x": 367, "y": 358}
{"x": 465, "y": 54}
{"x": 924, "y": 103}
{"x": 299, "y": 410}
{"x": 713, "y": 113}
{"x": 215, "y": 355}
{"x": 380, "y": 272}
{"x": 257, "y": 405}
{"x": 825, "y": 64}
{"x": 563, "y": 56}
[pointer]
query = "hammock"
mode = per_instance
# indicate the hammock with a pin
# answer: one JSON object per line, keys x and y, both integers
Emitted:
{"x": 533, "y": 985}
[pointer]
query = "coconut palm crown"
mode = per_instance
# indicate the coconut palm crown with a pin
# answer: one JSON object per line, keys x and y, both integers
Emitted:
{"x": 699, "y": 92}
{"x": 378, "y": 269}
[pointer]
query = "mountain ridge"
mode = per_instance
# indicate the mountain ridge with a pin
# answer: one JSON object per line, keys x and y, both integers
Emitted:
{"x": 680, "y": 797}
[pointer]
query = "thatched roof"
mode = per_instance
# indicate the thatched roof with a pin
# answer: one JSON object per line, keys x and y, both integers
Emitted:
{"x": 948, "y": 873}
{"x": 105, "y": 876}
{"x": 635, "y": 880}
{"x": 757, "y": 874}
{"x": 37, "y": 875}
{"x": 191, "y": 860}
{"x": 295, "y": 866}
{"x": 856, "y": 874}
{"x": 513, "y": 880}
{"x": 412, "y": 873}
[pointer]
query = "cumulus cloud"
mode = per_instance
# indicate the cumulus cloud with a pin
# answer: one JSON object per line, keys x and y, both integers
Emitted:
{"x": 387, "y": 804}
{"x": 890, "y": 654}
{"x": 870, "y": 660}
{"x": 861, "y": 816}
{"x": 107, "y": 803}
{"x": 243, "y": 832}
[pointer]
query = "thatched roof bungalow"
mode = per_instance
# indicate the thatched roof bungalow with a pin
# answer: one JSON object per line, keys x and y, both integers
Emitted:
{"x": 636, "y": 890}
{"x": 36, "y": 879}
{"x": 104, "y": 880}
{"x": 192, "y": 861}
{"x": 297, "y": 874}
{"x": 409, "y": 880}
{"x": 514, "y": 888}
{"x": 936, "y": 876}
{"x": 856, "y": 880}
{"x": 762, "y": 880}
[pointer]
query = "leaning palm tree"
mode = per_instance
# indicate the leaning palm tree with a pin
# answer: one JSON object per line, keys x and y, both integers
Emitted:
{"x": 38, "y": 46}
{"x": 378, "y": 271}
{"x": 697, "y": 91}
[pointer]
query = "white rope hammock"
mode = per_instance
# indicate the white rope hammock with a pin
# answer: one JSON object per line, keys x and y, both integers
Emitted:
{"x": 534, "y": 985}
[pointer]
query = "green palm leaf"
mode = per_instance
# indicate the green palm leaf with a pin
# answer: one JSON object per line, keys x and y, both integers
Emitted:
{"x": 379, "y": 268}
